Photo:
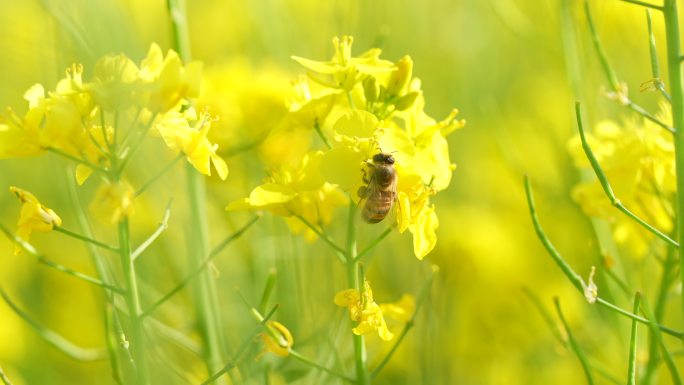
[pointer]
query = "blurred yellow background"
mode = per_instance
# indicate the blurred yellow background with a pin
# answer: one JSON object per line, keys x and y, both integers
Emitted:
{"x": 513, "y": 68}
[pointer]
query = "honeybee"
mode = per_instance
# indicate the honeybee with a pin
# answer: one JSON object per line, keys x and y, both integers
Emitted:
{"x": 381, "y": 189}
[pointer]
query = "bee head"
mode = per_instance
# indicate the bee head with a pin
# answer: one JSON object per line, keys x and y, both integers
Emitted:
{"x": 382, "y": 158}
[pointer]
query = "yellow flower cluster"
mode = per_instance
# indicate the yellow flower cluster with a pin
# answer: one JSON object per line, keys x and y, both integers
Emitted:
{"x": 638, "y": 160}
{"x": 369, "y": 315}
{"x": 359, "y": 107}
{"x": 83, "y": 120}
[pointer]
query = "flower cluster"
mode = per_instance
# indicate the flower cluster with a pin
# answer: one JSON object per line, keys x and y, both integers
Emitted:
{"x": 359, "y": 107}
{"x": 638, "y": 160}
{"x": 369, "y": 315}
{"x": 84, "y": 120}
{"x": 101, "y": 123}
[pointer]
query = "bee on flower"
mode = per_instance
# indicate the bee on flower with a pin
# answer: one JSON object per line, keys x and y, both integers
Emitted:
{"x": 358, "y": 108}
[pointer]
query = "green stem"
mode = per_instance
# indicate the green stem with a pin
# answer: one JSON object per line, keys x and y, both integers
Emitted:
{"x": 77, "y": 160}
{"x": 574, "y": 345}
{"x": 205, "y": 294}
{"x": 206, "y": 297}
{"x": 159, "y": 174}
{"x": 373, "y": 244}
{"x": 57, "y": 340}
{"x": 317, "y": 127}
{"x": 360, "y": 354}
{"x": 643, "y": 4}
{"x": 198, "y": 269}
{"x": 657, "y": 337}
{"x": 160, "y": 229}
{"x": 340, "y": 252}
{"x": 137, "y": 336}
{"x": 610, "y": 74}
{"x": 27, "y": 247}
{"x": 574, "y": 278}
{"x": 631, "y": 370}
{"x": 409, "y": 325}
{"x": 677, "y": 92}
{"x": 310, "y": 362}
{"x": 605, "y": 184}
{"x": 243, "y": 348}
{"x": 86, "y": 239}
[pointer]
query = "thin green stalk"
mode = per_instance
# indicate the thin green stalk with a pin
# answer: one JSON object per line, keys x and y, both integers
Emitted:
{"x": 631, "y": 370}
{"x": 268, "y": 290}
{"x": 4, "y": 378}
{"x": 77, "y": 160}
{"x": 163, "y": 225}
{"x": 667, "y": 278}
{"x": 574, "y": 345}
{"x": 574, "y": 278}
{"x": 610, "y": 73}
{"x": 113, "y": 328}
{"x": 137, "y": 335}
{"x": 198, "y": 269}
{"x": 205, "y": 294}
{"x": 206, "y": 297}
{"x": 677, "y": 91}
{"x": 129, "y": 153}
{"x": 360, "y": 354}
{"x": 653, "y": 53}
{"x": 603, "y": 179}
{"x": 409, "y": 325}
{"x": 373, "y": 244}
{"x": 323, "y": 236}
{"x": 27, "y": 247}
{"x": 86, "y": 239}
{"x": 243, "y": 348}
{"x": 308, "y": 361}
{"x": 644, "y": 4}
{"x": 317, "y": 127}
{"x": 57, "y": 340}
{"x": 657, "y": 337}
{"x": 110, "y": 340}
{"x": 159, "y": 174}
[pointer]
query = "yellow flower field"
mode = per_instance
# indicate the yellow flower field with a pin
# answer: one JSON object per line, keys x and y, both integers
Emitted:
{"x": 341, "y": 192}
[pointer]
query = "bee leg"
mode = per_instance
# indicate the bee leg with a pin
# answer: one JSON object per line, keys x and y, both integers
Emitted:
{"x": 365, "y": 176}
{"x": 362, "y": 191}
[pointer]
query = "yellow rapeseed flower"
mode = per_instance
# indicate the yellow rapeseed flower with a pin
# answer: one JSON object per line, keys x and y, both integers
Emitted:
{"x": 175, "y": 129}
{"x": 369, "y": 315}
{"x": 113, "y": 202}
{"x": 33, "y": 217}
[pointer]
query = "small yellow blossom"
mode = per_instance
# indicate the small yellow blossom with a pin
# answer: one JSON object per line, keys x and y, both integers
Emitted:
{"x": 167, "y": 81}
{"x": 296, "y": 192}
{"x": 369, "y": 315}
{"x": 278, "y": 340}
{"x": 344, "y": 71}
{"x": 113, "y": 202}
{"x": 174, "y": 128}
{"x": 33, "y": 217}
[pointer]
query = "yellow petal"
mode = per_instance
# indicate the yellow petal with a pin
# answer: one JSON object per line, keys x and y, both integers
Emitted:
{"x": 271, "y": 193}
{"x": 423, "y": 230}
